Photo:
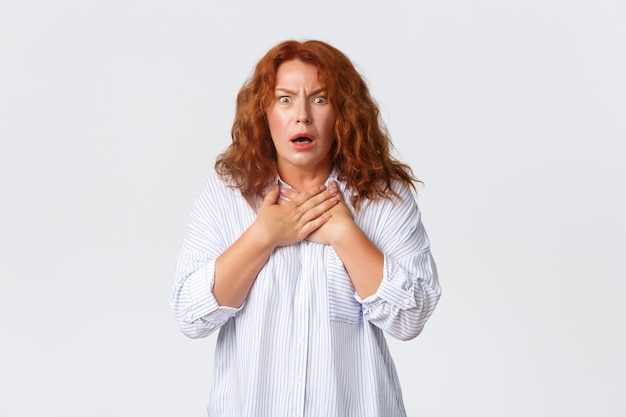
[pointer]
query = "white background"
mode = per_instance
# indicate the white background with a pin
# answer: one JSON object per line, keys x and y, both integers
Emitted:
{"x": 513, "y": 113}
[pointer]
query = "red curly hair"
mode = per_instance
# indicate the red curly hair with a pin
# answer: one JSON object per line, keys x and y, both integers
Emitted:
{"x": 361, "y": 152}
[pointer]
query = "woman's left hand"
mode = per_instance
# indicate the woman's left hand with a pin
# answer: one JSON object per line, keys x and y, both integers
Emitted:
{"x": 339, "y": 223}
{"x": 362, "y": 260}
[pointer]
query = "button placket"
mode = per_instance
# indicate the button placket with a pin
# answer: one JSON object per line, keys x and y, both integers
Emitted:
{"x": 301, "y": 332}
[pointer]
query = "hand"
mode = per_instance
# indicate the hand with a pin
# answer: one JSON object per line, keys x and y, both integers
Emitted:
{"x": 339, "y": 223}
{"x": 287, "y": 222}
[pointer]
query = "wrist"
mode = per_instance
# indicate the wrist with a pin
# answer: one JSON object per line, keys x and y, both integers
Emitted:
{"x": 344, "y": 233}
{"x": 258, "y": 233}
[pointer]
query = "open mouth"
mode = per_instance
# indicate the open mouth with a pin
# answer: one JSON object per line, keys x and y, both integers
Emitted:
{"x": 301, "y": 140}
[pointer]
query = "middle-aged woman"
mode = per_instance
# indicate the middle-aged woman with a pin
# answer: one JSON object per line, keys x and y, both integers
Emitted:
{"x": 305, "y": 246}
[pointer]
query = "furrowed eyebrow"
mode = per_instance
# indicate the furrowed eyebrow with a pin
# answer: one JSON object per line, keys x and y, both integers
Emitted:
{"x": 318, "y": 91}
{"x": 284, "y": 90}
{"x": 293, "y": 93}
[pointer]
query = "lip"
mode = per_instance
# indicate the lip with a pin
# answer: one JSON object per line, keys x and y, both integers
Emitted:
{"x": 302, "y": 146}
{"x": 302, "y": 135}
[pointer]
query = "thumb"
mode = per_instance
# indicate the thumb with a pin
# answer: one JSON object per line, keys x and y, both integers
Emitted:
{"x": 272, "y": 196}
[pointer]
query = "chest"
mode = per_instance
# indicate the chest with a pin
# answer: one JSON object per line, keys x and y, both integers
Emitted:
{"x": 293, "y": 275}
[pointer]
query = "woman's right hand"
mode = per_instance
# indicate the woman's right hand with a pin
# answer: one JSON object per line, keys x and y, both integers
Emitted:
{"x": 288, "y": 221}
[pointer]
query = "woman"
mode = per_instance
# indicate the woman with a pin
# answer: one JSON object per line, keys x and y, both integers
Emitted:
{"x": 305, "y": 246}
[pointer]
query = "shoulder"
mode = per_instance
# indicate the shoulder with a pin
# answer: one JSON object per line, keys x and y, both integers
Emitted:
{"x": 217, "y": 192}
{"x": 217, "y": 185}
{"x": 404, "y": 191}
{"x": 400, "y": 203}
{"x": 399, "y": 194}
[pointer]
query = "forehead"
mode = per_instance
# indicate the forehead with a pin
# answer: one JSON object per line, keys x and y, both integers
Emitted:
{"x": 297, "y": 72}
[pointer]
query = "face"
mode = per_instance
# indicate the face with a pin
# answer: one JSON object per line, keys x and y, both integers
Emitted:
{"x": 301, "y": 120}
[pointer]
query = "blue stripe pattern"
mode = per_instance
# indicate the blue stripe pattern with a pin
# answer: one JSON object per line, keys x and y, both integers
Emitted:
{"x": 304, "y": 343}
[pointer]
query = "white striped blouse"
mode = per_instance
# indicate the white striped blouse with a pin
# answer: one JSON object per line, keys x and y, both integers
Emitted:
{"x": 304, "y": 343}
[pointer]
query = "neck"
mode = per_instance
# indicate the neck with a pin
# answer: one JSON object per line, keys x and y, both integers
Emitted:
{"x": 301, "y": 179}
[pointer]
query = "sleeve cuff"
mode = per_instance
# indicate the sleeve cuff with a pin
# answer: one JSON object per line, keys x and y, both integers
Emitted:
{"x": 396, "y": 288}
{"x": 203, "y": 302}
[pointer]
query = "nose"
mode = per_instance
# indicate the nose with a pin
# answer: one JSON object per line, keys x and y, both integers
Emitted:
{"x": 304, "y": 114}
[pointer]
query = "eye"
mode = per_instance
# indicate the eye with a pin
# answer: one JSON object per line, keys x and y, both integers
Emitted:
{"x": 320, "y": 100}
{"x": 284, "y": 99}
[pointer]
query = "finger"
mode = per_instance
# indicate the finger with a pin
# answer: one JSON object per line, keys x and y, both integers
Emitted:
{"x": 334, "y": 188}
{"x": 316, "y": 223}
{"x": 319, "y": 210}
{"x": 311, "y": 211}
{"x": 303, "y": 197}
{"x": 314, "y": 197}
{"x": 287, "y": 193}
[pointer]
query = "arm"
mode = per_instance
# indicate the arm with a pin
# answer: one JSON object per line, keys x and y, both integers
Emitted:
{"x": 276, "y": 225}
{"x": 361, "y": 258}
{"x": 212, "y": 281}
{"x": 396, "y": 278}
{"x": 409, "y": 290}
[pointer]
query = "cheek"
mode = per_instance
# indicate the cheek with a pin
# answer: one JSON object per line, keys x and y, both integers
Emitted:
{"x": 329, "y": 125}
{"x": 274, "y": 123}
{"x": 278, "y": 120}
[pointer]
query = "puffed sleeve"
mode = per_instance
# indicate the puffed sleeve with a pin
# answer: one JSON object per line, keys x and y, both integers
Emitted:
{"x": 410, "y": 289}
{"x": 192, "y": 301}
